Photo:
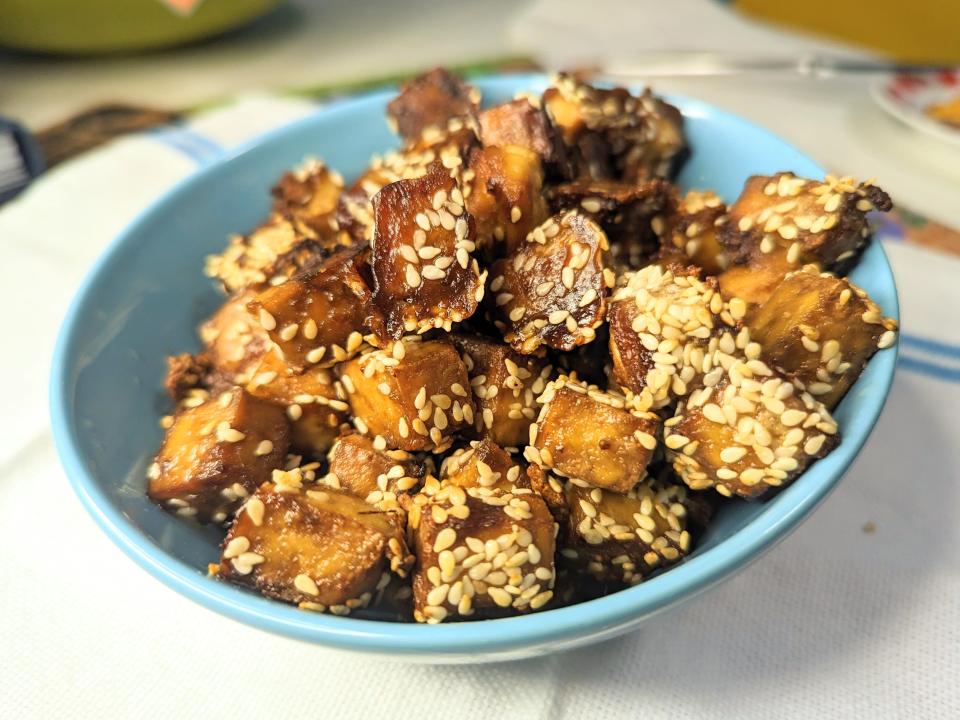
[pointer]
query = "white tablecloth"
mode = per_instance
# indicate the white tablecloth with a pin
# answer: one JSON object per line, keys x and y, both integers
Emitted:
{"x": 856, "y": 615}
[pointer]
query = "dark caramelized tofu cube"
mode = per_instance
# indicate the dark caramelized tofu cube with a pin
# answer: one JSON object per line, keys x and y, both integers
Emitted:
{"x": 622, "y": 538}
{"x": 369, "y": 470}
{"x": 661, "y": 321}
{"x": 482, "y": 464}
{"x": 416, "y": 396}
{"x": 505, "y": 386}
{"x": 308, "y": 197}
{"x": 552, "y": 289}
{"x": 312, "y": 400}
{"x": 321, "y": 549}
{"x": 217, "y": 453}
{"x": 506, "y": 196}
{"x": 518, "y": 122}
{"x": 251, "y": 260}
{"x": 481, "y": 554}
{"x": 746, "y": 430}
{"x": 431, "y": 100}
{"x": 235, "y": 340}
{"x": 317, "y": 318}
{"x": 807, "y": 220}
{"x": 592, "y": 436}
{"x": 820, "y": 330}
{"x": 689, "y": 235}
{"x": 424, "y": 272}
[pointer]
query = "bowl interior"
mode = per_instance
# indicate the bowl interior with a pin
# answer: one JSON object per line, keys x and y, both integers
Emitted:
{"x": 146, "y": 295}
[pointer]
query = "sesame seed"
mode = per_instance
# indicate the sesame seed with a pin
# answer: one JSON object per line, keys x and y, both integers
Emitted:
{"x": 267, "y": 321}
{"x": 306, "y": 585}
{"x": 264, "y": 448}
{"x": 515, "y": 214}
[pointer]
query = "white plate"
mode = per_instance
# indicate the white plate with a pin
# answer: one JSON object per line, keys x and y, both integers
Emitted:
{"x": 906, "y": 97}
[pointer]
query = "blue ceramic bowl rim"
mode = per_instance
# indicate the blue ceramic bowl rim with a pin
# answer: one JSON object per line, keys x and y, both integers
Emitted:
{"x": 686, "y": 580}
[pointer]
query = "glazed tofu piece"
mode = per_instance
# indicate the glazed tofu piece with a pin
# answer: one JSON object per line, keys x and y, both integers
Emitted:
{"x": 316, "y": 319}
{"x": 424, "y": 273}
{"x": 315, "y": 547}
{"x": 611, "y": 134}
{"x": 504, "y": 385}
{"x": 482, "y": 464}
{"x": 431, "y": 100}
{"x": 552, "y": 290}
{"x": 308, "y": 197}
{"x": 625, "y": 211}
{"x": 251, "y": 260}
{"x": 481, "y": 553}
{"x": 506, "y": 197}
{"x": 746, "y": 430}
{"x": 416, "y": 395}
{"x": 689, "y": 234}
{"x": 820, "y": 330}
{"x": 622, "y": 538}
{"x": 754, "y": 283}
{"x": 313, "y": 401}
{"x": 217, "y": 453}
{"x": 520, "y": 123}
{"x": 595, "y": 437}
{"x": 661, "y": 320}
{"x": 235, "y": 341}
{"x": 369, "y": 470}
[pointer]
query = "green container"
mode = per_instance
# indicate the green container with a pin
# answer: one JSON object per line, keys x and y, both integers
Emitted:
{"x": 106, "y": 26}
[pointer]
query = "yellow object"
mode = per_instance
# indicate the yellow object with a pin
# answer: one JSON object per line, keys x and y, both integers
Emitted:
{"x": 922, "y": 31}
{"x": 947, "y": 112}
{"x": 103, "y": 26}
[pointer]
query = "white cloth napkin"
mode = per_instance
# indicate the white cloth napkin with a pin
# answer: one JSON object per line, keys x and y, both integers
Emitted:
{"x": 856, "y": 615}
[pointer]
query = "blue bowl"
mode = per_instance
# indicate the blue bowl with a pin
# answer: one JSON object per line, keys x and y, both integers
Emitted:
{"x": 146, "y": 294}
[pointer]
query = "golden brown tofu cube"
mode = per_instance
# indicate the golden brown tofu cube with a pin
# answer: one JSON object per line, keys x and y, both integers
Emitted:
{"x": 234, "y": 339}
{"x": 369, "y": 470}
{"x": 316, "y": 547}
{"x": 746, "y": 430}
{"x": 505, "y": 386}
{"x": 215, "y": 454}
{"x": 754, "y": 283}
{"x": 251, "y": 260}
{"x": 552, "y": 289}
{"x": 308, "y": 196}
{"x": 820, "y": 330}
{"x": 416, "y": 396}
{"x": 598, "y": 437}
{"x": 313, "y": 401}
{"x": 611, "y": 134}
{"x": 424, "y": 272}
{"x": 431, "y": 100}
{"x": 481, "y": 553}
{"x": 808, "y": 220}
{"x": 622, "y": 538}
{"x": 317, "y": 318}
{"x": 506, "y": 196}
{"x": 689, "y": 234}
{"x": 482, "y": 464}
{"x": 661, "y": 320}
{"x": 518, "y": 122}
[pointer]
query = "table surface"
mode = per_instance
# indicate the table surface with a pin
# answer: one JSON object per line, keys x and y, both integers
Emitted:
{"x": 153, "y": 651}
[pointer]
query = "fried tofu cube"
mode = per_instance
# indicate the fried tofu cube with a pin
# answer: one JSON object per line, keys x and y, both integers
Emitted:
{"x": 596, "y": 437}
{"x": 217, "y": 453}
{"x": 431, "y": 100}
{"x": 505, "y": 386}
{"x": 313, "y": 401}
{"x": 251, "y": 260}
{"x": 820, "y": 330}
{"x": 416, "y": 396}
{"x": 518, "y": 122}
{"x": 481, "y": 553}
{"x": 369, "y": 470}
{"x": 424, "y": 273}
{"x": 506, "y": 196}
{"x": 622, "y": 538}
{"x": 317, "y": 318}
{"x": 235, "y": 341}
{"x": 482, "y": 464}
{"x": 318, "y": 548}
{"x": 746, "y": 430}
{"x": 754, "y": 283}
{"x": 308, "y": 197}
{"x": 808, "y": 221}
{"x": 661, "y": 320}
{"x": 689, "y": 234}
{"x": 552, "y": 289}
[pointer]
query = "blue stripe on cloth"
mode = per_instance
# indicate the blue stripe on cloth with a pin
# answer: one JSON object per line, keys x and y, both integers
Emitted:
{"x": 200, "y": 149}
{"x": 935, "y": 347}
{"x": 924, "y": 367}
{"x": 208, "y": 144}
